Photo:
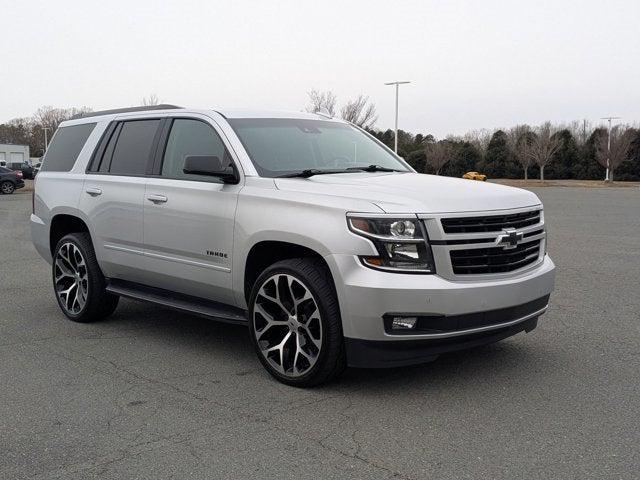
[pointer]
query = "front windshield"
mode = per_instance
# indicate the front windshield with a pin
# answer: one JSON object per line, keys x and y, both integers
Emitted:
{"x": 282, "y": 146}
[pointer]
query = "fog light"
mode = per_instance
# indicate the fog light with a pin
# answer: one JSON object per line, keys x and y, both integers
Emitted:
{"x": 404, "y": 323}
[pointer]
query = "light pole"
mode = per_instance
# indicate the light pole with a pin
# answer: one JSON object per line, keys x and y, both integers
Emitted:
{"x": 397, "y": 84}
{"x": 44, "y": 129}
{"x": 606, "y": 178}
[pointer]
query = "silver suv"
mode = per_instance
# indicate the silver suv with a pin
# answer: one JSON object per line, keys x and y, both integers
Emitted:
{"x": 327, "y": 245}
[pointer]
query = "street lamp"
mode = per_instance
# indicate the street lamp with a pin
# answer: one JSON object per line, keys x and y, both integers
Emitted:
{"x": 397, "y": 84}
{"x": 606, "y": 178}
{"x": 45, "y": 129}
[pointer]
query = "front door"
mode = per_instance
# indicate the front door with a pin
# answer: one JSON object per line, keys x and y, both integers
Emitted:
{"x": 189, "y": 219}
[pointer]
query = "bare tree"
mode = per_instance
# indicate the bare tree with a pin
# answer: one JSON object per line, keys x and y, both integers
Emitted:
{"x": 150, "y": 101}
{"x": 580, "y": 130}
{"x": 479, "y": 139}
{"x": 438, "y": 154}
{"x": 544, "y": 145}
{"x": 520, "y": 139}
{"x": 621, "y": 138}
{"x": 322, "y": 100}
{"x": 360, "y": 112}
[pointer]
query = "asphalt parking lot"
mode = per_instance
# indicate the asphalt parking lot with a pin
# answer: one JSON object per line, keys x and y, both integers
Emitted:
{"x": 155, "y": 394}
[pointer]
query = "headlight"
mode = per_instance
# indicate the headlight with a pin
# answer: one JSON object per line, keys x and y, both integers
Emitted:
{"x": 402, "y": 243}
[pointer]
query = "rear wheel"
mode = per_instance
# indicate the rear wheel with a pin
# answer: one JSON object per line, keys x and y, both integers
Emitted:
{"x": 295, "y": 323}
{"x": 7, "y": 187}
{"x": 79, "y": 285}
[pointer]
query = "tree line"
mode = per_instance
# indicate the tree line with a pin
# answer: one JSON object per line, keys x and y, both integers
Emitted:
{"x": 546, "y": 151}
{"x": 574, "y": 151}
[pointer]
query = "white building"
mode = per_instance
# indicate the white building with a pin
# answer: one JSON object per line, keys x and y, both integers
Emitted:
{"x": 10, "y": 154}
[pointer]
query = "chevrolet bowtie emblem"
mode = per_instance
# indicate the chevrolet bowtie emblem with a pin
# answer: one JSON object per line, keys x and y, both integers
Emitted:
{"x": 510, "y": 239}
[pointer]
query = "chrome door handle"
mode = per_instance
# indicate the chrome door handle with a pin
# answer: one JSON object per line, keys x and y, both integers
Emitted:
{"x": 157, "y": 198}
{"x": 94, "y": 192}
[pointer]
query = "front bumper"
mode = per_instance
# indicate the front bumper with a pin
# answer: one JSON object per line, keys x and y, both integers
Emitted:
{"x": 367, "y": 296}
{"x": 377, "y": 354}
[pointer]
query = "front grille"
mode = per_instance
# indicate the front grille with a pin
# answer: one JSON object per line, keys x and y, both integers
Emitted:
{"x": 494, "y": 259}
{"x": 492, "y": 223}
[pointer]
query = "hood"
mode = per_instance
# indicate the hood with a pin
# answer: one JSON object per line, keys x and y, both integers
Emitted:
{"x": 413, "y": 192}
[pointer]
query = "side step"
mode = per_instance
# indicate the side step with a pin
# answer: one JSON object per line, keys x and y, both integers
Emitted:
{"x": 185, "y": 303}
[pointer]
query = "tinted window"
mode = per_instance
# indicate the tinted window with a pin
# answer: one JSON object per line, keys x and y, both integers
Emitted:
{"x": 133, "y": 147}
{"x": 108, "y": 152}
{"x": 190, "y": 137}
{"x": 65, "y": 147}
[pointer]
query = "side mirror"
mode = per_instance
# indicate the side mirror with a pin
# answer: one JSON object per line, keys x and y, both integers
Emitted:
{"x": 210, "y": 165}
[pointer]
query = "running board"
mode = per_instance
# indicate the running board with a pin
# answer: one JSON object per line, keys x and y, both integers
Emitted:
{"x": 185, "y": 303}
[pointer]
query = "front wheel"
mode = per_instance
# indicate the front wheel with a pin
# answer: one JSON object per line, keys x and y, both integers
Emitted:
{"x": 295, "y": 323}
{"x": 78, "y": 282}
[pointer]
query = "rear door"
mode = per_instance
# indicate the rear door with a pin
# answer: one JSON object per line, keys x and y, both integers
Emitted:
{"x": 114, "y": 192}
{"x": 189, "y": 219}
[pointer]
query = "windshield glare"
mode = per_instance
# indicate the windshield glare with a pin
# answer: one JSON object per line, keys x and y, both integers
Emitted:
{"x": 281, "y": 146}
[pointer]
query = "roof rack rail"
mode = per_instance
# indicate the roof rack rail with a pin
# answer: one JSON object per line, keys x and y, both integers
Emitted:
{"x": 125, "y": 110}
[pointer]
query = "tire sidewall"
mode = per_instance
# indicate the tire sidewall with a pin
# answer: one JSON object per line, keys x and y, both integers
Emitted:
{"x": 322, "y": 307}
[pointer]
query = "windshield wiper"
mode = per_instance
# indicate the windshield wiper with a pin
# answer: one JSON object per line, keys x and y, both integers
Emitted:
{"x": 310, "y": 172}
{"x": 374, "y": 168}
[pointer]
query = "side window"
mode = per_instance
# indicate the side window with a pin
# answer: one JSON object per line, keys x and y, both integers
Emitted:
{"x": 190, "y": 137}
{"x": 133, "y": 148}
{"x": 65, "y": 147}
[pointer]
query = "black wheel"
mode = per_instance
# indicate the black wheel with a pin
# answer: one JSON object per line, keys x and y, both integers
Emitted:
{"x": 7, "y": 187}
{"x": 78, "y": 282}
{"x": 295, "y": 323}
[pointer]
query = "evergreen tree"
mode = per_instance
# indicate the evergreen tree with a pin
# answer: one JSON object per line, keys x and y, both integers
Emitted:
{"x": 564, "y": 159}
{"x": 587, "y": 167}
{"x": 499, "y": 162}
{"x": 630, "y": 169}
{"x": 465, "y": 159}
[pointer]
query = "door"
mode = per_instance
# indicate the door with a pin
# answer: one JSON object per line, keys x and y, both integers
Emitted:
{"x": 17, "y": 158}
{"x": 113, "y": 196}
{"x": 189, "y": 219}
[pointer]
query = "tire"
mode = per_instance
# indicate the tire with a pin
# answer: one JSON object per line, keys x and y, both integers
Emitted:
{"x": 309, "y": 314}
{"x": 75, "y": 271}
{"x": 7, "y": 187}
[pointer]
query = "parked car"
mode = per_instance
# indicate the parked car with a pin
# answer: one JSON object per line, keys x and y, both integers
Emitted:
{"x": 475, "y": 176}
{"x": 329, "y": 247}
{"x": 36, "y": 169}
{"x": 10, "y": 181}
{"x": 23, "y": 167}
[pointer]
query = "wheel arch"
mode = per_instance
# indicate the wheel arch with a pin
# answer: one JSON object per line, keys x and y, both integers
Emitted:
{"x": 267, "y": 252}
{"x": 63, "y": 224}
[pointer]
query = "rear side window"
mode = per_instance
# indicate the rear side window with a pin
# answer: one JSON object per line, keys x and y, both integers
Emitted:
{"x": 133, "y": 148}
{"x": 65, "y": 147}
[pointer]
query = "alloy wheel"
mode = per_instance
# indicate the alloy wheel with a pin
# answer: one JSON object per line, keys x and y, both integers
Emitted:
{"x": 287, "y": 325}
{"x": 71, "y": 279}
{"x": 7, "y": 187}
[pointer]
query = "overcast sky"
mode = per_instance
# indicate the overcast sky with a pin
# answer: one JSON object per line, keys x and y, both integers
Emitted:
{"x": 473, "y": 64}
